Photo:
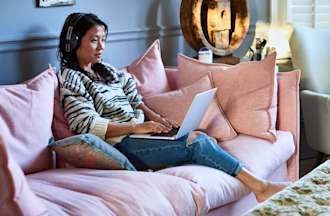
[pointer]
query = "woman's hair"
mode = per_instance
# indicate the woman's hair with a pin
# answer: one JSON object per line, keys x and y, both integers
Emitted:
{"x": 75, "y": 27}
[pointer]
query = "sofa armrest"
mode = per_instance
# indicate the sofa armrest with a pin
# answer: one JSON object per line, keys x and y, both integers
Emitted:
{"x": 316, "y": 112}
{"x": 16, "y": 196}
{"x": 288, "y": 118}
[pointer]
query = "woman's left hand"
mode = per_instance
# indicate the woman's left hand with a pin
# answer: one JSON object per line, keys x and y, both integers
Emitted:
{"x": 165, "y": 121}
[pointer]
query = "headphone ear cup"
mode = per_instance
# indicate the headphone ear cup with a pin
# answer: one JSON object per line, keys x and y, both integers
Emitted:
{"x": 71, "y": 39}
{"x": 74, "y": 42}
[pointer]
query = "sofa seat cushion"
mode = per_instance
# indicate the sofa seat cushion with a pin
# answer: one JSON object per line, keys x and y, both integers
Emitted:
{"x": 101, "y": 192}
{"x": 220, "y": 188}
{"x": 261, "y": 157}
{"x": 258, "y": 155}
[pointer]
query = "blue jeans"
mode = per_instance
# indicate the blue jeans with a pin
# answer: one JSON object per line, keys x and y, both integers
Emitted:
{"x": 156, "y": 154}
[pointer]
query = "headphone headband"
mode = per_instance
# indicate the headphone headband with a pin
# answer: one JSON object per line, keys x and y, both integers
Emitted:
{"x": 70, "y": 38}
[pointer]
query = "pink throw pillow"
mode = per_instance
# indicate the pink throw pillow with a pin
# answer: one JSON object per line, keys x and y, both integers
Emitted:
{"x": 246, "y": 93}
{"x": 149, "y": 72}
{"x": 175, "y": 104}
{"x": 16, "y": 195}
{"x": 190, "y": 70}
{"x": 26, "y": 113}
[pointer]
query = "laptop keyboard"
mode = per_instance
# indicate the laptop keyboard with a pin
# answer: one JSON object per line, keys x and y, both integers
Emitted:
{"x": 171, "y": 133}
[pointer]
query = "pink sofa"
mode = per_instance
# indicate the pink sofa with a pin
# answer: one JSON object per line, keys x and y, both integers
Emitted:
{"x": 30, "y": 185}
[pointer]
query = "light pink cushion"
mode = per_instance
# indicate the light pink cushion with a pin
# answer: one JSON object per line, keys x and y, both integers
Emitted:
{"x": 258, "y": 155}
{"x": 288, "y": 94}
{"x": 16, "y": 197}
{"x": 98, "y": 192}
{"x": 214, "y": 121}
{"x": 247, "y": 95}
{"x": 26, "y": 113}
{"x": 172, "y": 75}
{"x": 149, "y": 73}
{"x": 191, "y": 70}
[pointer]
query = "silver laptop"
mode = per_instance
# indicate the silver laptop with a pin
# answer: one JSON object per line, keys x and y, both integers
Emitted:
{"x": 191, "y": 120}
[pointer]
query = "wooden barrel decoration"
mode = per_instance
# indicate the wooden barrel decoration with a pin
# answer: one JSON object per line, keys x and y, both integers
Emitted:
{"x": 220, "y": 25}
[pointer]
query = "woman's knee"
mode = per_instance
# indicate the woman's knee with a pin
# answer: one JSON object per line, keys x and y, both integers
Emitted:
{"x": 193, "y": 136}
{"x": 201, "y": 142}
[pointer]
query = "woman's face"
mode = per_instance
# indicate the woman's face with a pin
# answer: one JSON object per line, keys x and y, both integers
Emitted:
{"x": 92, "y": 46}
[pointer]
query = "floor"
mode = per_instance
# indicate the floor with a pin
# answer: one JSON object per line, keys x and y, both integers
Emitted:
{"x": 306, "y": 166}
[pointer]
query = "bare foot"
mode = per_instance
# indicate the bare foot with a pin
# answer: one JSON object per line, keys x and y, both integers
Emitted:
{"x": 269, "y": 189}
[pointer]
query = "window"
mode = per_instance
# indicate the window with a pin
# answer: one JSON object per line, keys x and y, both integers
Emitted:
{"x": 314, "y": 13}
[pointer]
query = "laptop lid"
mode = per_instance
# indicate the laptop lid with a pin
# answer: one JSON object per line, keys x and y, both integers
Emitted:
{"x": 192, "y": 118}
{"x": 196, "y": 112}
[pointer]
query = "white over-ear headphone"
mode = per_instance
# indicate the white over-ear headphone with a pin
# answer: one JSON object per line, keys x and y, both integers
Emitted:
{"x": 71, "y": 39}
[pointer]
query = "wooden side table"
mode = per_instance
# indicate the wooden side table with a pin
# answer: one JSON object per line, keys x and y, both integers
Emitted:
{"x": 230, "y": 59}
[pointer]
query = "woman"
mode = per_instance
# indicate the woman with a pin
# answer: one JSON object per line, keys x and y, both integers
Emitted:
{"x": 101, "y": 100}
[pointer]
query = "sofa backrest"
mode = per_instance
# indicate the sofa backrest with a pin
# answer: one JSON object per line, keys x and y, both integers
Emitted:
{"x": 288, "y": 116}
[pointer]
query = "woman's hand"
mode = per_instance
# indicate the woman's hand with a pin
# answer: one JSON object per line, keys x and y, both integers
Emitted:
{"x": 151, "y": 127}
{"x": 165, "y": 121}
{"x": 153, "y": 116}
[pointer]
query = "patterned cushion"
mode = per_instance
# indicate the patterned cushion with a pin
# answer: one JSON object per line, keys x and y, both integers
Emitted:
{"x": 89, "y": 151}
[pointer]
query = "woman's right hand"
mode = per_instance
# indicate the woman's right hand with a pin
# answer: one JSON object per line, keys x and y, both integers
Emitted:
{"x": 151, "y": 127}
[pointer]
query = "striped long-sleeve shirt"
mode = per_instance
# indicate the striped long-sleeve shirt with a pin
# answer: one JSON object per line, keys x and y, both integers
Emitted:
{"x": 90, "y": 105}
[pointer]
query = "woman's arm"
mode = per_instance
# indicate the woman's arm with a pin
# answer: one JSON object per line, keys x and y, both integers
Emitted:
{"x": 155, "y": 124}
{"x": 135, "y": 99}
{"x": 78, "y": 104}
{"x": 80, "y": 113}
{"x": 119, "y": 129}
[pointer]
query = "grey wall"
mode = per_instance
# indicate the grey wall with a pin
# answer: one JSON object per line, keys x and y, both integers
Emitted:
{"x": 29, "y": 35}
